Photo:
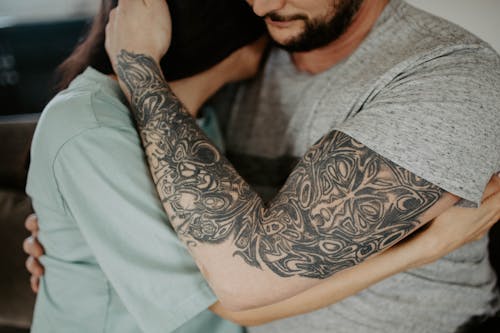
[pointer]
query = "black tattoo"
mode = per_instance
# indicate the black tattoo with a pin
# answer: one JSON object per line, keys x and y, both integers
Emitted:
{"x": 341, "y": 204}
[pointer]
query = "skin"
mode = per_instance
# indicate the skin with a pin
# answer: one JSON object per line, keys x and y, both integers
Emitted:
{"x": 342, "y": 204}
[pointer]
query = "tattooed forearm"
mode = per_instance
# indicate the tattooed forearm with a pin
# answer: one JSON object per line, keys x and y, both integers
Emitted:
{"x": 203, "y": 195}
{"x": 341, "y": 204}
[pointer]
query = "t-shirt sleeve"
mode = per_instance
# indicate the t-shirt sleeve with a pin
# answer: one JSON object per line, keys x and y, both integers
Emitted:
{"x": 105, "y": 182}
{"x": 439, "y": 119}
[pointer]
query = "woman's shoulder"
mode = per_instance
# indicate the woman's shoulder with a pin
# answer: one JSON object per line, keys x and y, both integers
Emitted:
{"x": 84, "y": 113}
{"x": 85, "y": 105}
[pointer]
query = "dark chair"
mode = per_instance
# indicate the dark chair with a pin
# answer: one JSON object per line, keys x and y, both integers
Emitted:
{"x": 29, "y": 53}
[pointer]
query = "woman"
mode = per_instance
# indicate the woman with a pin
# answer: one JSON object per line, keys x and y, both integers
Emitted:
{"x": 112, "y": 262}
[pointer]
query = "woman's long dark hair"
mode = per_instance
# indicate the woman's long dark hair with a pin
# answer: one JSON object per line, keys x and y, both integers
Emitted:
{"x": 204, "y": 33}
{"x": 90, "y": 52}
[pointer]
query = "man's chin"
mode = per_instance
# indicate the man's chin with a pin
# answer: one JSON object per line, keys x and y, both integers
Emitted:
{"x": 283, "y": 37}
{"x": 288, "y": 44}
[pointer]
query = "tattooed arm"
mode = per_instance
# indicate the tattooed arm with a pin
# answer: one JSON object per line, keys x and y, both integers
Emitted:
{"x": 341, "y": 204}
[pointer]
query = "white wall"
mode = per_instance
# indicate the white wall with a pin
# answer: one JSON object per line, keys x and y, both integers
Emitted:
{"x": 46, "y": 10}
{"x": 482, "y": 17}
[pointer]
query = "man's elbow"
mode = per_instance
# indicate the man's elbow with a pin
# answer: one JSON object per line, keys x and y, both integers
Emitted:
{"x": 233, "y": 289}
{"x": 242, "y": 318}
{"x": 236, "y": 297}
{"x": 243, "y": 291}
{"x": 241, "y": 287}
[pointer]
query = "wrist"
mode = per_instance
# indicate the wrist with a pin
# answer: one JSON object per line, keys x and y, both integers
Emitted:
{"x": 129, "y": 66}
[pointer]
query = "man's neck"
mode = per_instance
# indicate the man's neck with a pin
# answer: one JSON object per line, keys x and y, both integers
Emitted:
{"x": 321, "y": 59}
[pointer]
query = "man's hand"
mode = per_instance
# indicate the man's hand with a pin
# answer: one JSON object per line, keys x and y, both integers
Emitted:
{"x": 139, "y": 26}
{"x": 35, "y": 250}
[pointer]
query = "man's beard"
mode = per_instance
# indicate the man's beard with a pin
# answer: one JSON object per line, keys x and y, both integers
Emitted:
{"x": 318, "y": 32}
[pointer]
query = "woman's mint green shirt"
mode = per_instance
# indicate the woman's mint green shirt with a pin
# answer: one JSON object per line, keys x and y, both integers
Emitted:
{"x": 112, "y": 263}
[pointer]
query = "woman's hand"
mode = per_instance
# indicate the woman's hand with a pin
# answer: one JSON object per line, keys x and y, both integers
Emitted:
{"x": 139, "y": 26}
{"x": 455, "y": 227}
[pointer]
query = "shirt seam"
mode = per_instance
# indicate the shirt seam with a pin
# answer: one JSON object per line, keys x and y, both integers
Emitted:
{"x": 199, "y": 301}
{"x": 108, "y": 306}
{"x": 77, "y": 135}
{"x": 424, "y": 30}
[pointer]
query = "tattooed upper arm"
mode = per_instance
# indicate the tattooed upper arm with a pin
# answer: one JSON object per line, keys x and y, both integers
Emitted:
{"x": 341, "y": 204}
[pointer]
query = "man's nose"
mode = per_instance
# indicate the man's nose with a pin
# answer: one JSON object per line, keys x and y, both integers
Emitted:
{"x": 263, "y": 7}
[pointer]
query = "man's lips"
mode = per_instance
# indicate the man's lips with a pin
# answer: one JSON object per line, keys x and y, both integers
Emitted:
{"x": 279, "y": 24}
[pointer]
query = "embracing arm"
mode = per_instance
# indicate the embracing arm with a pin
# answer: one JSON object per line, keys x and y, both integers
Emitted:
{"x": 446, "y": 233}
{"x": 449, "y": 231}
{"x": 342, "y": 203}
{"x": 344, "y": 284}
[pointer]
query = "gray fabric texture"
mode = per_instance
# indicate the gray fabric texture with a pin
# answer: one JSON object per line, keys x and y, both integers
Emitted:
{"x": 419, "y": 91}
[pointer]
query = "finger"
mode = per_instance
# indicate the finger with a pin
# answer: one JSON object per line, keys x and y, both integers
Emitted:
{"x": 31, "y": 223}
{"x": 34, "y": 267}
{"x": 112, "y": 16}
{"x": 492, "y": 187}
{"x": 109, "y": 25}
{"x": 491, "y": 207}
{"x": 35, "y": 283}
{"x": 149, "y": 3}
{"x": 480, "y": 236}
{"x": 27, "y": 246}
{"x": 492, "y": 203}
{"x": 33, "y": 247}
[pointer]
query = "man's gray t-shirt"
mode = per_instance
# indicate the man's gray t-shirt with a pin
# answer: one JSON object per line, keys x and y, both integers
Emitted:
{"x": 419, "y": 91}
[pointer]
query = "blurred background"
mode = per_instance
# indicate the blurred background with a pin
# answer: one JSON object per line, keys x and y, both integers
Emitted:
{"x": 35, "y": 36}
{"x": 482, "y": 17}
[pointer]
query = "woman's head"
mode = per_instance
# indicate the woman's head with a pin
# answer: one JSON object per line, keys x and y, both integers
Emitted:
{"x": 203, "y": 33}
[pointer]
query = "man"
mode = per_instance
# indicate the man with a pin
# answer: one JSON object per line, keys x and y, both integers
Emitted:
{"x": 404, "y": 106}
